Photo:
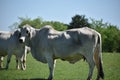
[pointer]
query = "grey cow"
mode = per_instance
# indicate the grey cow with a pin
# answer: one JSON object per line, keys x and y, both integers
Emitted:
{"x": 9, "y": 44}
{"x": 48, "y": 44}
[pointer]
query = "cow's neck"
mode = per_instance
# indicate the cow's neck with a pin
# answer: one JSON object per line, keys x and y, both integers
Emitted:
{"x": 33, "y": 40}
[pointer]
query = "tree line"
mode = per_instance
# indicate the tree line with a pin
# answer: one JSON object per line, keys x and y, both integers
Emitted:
{"x": 110, "y": 33}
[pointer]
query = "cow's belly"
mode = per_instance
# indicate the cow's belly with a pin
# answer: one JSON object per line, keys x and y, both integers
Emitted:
{"x": 38, "y": 56}
{"x": 72, "y": 58}
{"x": 41, "y": 59}
{"x": 3, "y": 52}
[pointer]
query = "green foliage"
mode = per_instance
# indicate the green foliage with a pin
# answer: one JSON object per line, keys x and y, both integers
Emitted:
{"x": 110, "y": 35}
{"x": 63, "y": 70}
{"x": 79, "y": 21}
{"x": 38, "y": 23}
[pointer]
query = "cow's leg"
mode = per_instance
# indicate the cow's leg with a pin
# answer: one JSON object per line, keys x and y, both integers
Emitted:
{"x": 24, "y": 59}
{"x": 51, "y": 64}
{"x": 17, "y": 63}
{"x": 1, "y": 62}
{"x": 91, "y": 63}
{"x": 8, "y": 60}
{"x": 22, "y": 63}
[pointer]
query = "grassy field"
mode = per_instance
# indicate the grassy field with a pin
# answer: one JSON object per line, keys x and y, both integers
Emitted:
{"x": 63, "y": 71}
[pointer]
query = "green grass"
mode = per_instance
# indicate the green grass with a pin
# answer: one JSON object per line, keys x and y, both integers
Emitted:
{"x": 63, "y": 71}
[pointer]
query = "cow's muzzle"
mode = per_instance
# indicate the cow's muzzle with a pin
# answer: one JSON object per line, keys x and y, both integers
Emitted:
{"x": 22, "y": 40}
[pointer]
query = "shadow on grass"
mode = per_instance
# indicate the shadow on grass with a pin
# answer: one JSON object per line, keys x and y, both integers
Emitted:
{"x": 2, "y": 68}
{"x": 33, "y": 79}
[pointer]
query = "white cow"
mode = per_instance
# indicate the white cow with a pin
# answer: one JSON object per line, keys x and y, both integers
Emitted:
{"x": 47, "y": 45}
{"x": 9, "y": 44}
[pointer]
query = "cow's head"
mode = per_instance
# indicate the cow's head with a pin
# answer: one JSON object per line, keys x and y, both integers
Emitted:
{"x": 25, "y": 33}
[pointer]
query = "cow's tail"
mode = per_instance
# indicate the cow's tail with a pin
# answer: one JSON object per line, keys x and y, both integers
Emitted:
{"x": 98, "y": 57}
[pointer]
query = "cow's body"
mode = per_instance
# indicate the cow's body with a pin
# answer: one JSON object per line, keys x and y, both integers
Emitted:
{"x": 9, "y": 44}
{"x": 47, "y": 45}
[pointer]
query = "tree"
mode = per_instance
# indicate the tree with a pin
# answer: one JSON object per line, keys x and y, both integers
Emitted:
{"x": 112, "y": 38}
{"x": 38, "y": 23}
{"x": 110, "y": 35}
{"x": 79, "y": 21}
{"x": 23, "y": 21}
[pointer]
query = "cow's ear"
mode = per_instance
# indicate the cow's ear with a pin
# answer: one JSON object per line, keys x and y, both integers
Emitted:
{"x": 31, "y": 32}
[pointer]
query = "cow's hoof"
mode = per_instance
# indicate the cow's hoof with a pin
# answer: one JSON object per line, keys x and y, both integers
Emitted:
{"x": 89, "y": 78}
{"x": 6, "y": 68}
{"x": 0, "y": 68}
{"x": 50, "y": 78}
{"x": 23, "y": 69}
{"x": 17, "y": 67}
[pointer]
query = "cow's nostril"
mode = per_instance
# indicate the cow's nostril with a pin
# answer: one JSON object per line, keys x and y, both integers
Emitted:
{"x": 20, "y": 40}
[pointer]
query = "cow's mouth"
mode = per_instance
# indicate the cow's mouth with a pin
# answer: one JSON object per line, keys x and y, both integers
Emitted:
{"x": 22, "y": 40}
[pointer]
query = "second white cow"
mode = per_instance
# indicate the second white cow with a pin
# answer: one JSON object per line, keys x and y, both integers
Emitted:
{"x": 9, "y": 45}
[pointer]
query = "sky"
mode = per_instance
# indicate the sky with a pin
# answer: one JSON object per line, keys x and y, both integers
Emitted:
{"x": 58, "y": 10}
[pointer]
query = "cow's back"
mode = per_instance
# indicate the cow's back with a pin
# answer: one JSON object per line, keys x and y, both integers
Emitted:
{"x": 71, "y": 41}
{"x": 8, "y": 42}
{"x": 4, "y": 41}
